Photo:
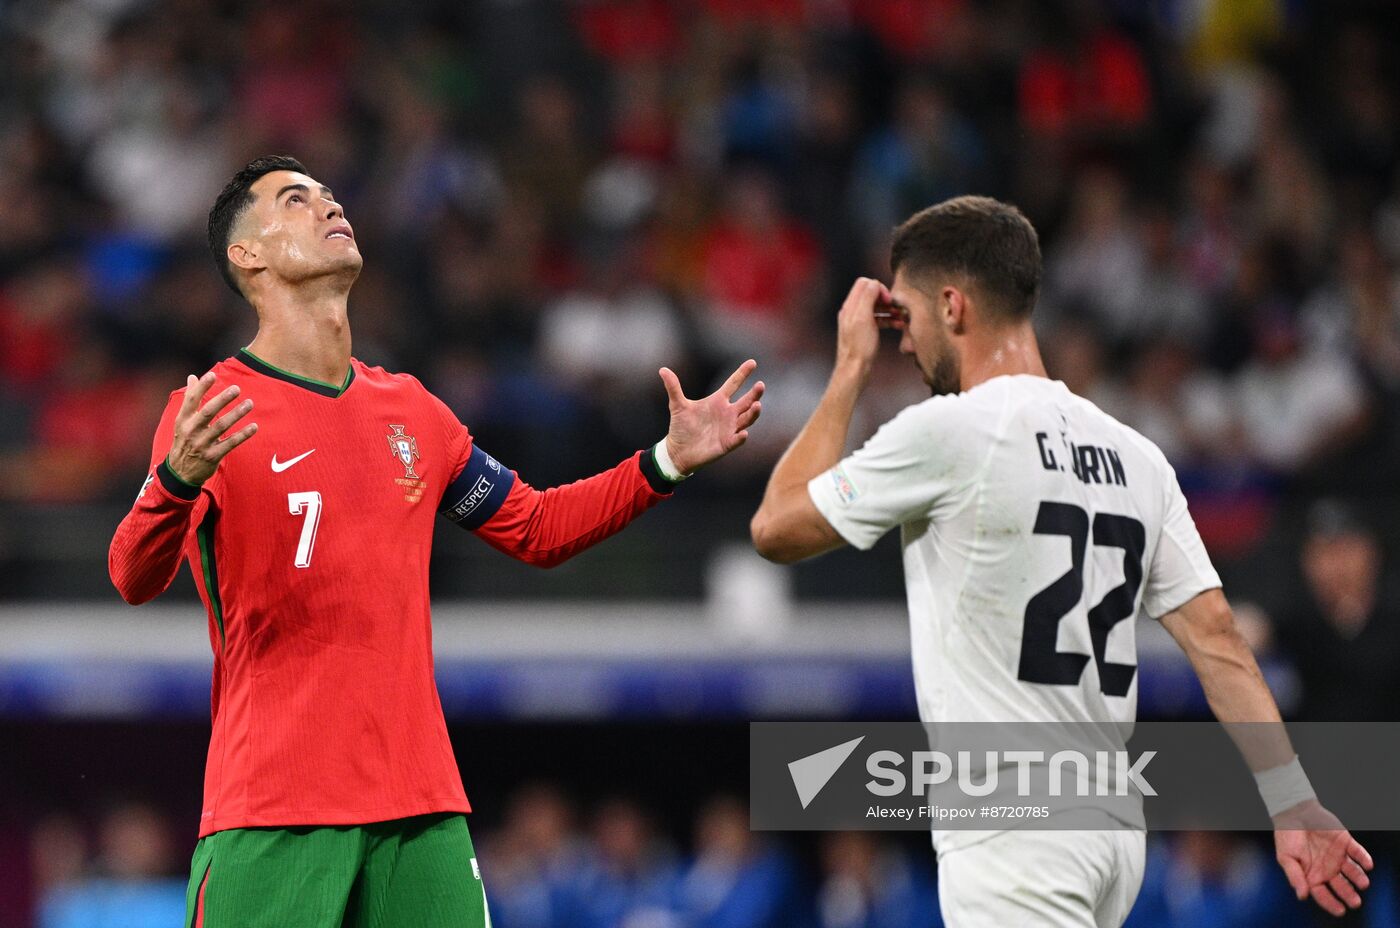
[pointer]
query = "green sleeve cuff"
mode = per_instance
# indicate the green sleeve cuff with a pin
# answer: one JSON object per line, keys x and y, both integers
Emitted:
{"x": 655, "y": 478}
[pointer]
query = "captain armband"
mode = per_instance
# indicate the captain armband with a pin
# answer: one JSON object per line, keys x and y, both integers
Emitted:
{"x": 478, "y": 492}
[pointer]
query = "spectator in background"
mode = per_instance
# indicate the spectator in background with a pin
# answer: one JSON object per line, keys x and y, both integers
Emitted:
{"x": 1220, "y": 33}
{"x": 534, "y": 862}
{"x": 1188, "y": 411}
{"x": 58, "y": 854}
{"x": 433, "y": 171}
{"x": 606, "y": 339}
{"x": 1343, "y": 635}
{"x": 1084, "y": 78}
{"x": 1098, "y": 268}
{"x": 923, "y": 30}
{"x": 293, "y": 87}
{"x": 759, "y": 268}
{"x": 549, "y": 156}
{"x": 1296, "y": 406}
{"x": 1169, "y": 302}
{"x": 177, "y": 317}
{"x": 35, "y": 211}
{"x": 181, "y": 151}
{"x": 1208, "y": 227}
{"x": 758, "y": 114}
{"x": 1290, "y": 198}
{"x": 642, "y": 144}
{"x": 1361, "y": 140}
{"x": 468, "y": 285}
{"x": 85, "y": 429}
{"x": 1211, "y": 879}
{"x": 869, "y": 884}
{"x": 629, "y": 879}
{"x": 1077, "y": 353}
{"x": 828, "y": 142}
{"x": 676, "y": 235}
{"x": 929, "y": 153}
{"x": 1367, "y": 300}
{"x": 1081, "y": 86}
{"x": 1183, "y": 409}
{"x": 626, "y": 31}
{"x": 132, "y": 883}
{"x": 1357, "y": 311}
{"x": 736, "y": 880}
{"x": 40, "y": 310}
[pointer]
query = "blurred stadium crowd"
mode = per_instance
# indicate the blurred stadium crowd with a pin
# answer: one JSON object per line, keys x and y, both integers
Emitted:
{"x": 546, "y": 868}
{"x": 556, "y": 198}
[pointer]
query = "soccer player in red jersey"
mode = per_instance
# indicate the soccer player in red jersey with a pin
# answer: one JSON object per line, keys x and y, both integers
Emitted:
{"x": 331, "y": 795}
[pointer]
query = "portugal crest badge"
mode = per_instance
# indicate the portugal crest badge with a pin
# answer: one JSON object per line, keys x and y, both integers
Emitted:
{"x": 405, "y": 448}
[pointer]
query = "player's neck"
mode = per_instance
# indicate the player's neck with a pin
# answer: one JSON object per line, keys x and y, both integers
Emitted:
{"x": 1000, "y": 352}
{"x": 309, "y": 337}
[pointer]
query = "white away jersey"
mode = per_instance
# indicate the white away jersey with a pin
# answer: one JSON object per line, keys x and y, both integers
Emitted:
{"x": 1035, "y": 529}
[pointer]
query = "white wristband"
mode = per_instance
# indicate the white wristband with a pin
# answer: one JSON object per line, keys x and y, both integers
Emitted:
{"x": 1283, "y": 787}
{"x": 664, "y": 464}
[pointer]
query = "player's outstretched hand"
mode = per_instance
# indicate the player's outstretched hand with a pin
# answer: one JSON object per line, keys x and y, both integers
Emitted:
{"x": 707, "y": 429}
{"x": 201, "y": 441}
{"x": 1320, "y": 857}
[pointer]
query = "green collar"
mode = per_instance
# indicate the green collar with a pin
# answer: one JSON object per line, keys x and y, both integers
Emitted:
{"x": 315, "y": 386}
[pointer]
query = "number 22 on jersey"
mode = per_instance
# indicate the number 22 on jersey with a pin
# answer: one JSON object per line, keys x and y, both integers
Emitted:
{"x": 1041, "y": 662}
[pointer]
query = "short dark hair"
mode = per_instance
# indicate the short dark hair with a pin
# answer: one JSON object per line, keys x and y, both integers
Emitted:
{"x": 233, "y": 200}
{"x": 989, "y": 242}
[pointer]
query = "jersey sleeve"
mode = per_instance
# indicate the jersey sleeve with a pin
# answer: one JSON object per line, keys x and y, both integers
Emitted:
{"x": 542, "y": 527}
{"x": 916, "y": 465}
{"x": 149, "y": 543}
{"x": 547, "y": 527}
{"x": 458, "y": 440}
{"x": 1180, "y": 568}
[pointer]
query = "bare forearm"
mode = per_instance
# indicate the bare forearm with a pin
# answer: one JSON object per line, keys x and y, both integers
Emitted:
{"x": 1233, "y": 684}
{"x": 1241, "y": 700}
{"x": 1231, "y": 678}
{"x": 787, "y": 526}
{"x": 819, "y": 445}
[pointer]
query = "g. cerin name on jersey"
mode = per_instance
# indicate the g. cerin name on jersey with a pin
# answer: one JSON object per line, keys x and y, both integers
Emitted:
{"x": 1090, "y": 463}
{"x": 404, "y": 448}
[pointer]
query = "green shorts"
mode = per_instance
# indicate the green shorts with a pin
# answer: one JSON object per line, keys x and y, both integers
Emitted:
{"x": 418, "y": 871}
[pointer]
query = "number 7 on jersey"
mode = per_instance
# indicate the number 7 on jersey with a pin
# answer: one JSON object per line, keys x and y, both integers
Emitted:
{"x": 310, "y": 504}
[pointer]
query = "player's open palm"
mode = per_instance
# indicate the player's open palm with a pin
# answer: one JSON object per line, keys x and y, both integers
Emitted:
{"x": 1320, "y": 858}
{"x": 201, "y": 440}
{"x": 706, "y": 429}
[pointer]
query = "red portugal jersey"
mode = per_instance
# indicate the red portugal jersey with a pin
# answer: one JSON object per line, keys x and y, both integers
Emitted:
{"x": 310, "y": 547}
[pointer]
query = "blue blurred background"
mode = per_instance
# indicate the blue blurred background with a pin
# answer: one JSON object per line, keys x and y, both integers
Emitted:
{"x": 556, "y": 197}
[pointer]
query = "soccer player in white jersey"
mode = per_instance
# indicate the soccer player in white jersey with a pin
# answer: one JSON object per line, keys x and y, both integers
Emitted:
{"x": 1035, "y": 529}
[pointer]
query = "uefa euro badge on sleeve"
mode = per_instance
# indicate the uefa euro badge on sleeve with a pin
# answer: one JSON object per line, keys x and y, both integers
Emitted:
{"x": 405, "y": 448}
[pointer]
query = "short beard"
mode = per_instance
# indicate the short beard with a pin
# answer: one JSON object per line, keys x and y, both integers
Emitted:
{"x": 947, "y": 375}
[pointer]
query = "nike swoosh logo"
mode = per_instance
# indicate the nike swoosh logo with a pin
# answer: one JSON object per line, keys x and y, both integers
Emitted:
{"x": 279, "y": 466}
